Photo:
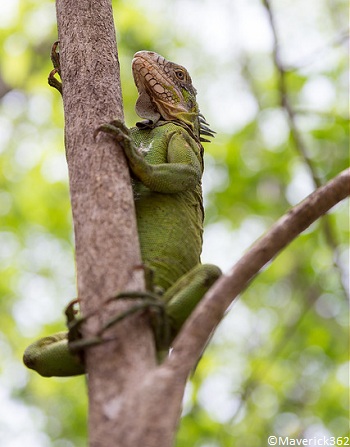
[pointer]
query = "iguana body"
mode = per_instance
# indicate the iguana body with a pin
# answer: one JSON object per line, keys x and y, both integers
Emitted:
{"x": 169, "y": 224}
{"x": 165, "y": 157}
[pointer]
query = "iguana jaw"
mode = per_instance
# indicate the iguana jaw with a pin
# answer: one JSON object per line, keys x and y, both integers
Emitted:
{"x": 165, "y": 90}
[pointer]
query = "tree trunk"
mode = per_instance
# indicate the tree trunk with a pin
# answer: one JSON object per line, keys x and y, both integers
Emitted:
{"x": 107, "y": 252}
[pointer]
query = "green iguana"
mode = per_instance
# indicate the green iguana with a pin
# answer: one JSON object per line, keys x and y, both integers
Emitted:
{"x": 165, "y": 157}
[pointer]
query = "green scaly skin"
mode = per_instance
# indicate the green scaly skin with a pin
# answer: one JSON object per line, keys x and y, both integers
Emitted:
{"x": 165, "y": 157}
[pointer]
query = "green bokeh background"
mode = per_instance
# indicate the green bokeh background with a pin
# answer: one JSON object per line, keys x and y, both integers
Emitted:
{"x": 278, "y": 364}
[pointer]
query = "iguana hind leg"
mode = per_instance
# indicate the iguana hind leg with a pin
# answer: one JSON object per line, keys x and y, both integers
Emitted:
{"x": 185, "y": 294}
{"x": 52, "y": 356}
{"x": 62, "y": 354}
{"x": 168, "y": 311}
{"x": 180, "y": 300}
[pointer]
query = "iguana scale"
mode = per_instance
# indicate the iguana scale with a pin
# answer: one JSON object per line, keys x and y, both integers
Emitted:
{"x": 165, "y": 157}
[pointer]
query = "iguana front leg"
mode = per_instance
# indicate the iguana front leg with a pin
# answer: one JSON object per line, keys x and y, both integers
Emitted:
{"x": 182, "y": 171}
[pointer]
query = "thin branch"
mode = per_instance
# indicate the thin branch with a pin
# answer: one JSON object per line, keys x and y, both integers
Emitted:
{"x": 299, "y": 142}
{"x": 4, "y": 87}
{"x": 192, "y": 339}
{"x": 284, "y": 97}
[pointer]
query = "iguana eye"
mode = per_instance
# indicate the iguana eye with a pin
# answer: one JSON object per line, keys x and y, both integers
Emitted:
{"x": 180, "y": 75}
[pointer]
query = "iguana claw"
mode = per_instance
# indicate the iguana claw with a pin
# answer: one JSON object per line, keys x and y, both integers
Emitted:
{"x": 160, "y": 322}
{"x": 159, "y": 319}
{"x": 115, "y": 128}
{"x": 55, "y": 58}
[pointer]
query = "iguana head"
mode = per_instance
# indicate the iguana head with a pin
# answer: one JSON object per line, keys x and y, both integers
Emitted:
{"x": 166, "y": 92}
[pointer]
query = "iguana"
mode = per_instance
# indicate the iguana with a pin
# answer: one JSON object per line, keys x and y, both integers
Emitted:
{"x": 165, "y": 157}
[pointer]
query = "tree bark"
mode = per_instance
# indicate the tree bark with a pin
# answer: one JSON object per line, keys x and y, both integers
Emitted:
{"x": 107, "y": 252}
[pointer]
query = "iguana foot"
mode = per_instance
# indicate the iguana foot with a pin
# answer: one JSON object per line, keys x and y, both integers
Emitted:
{"x": 74, "y": 336}
{"x": 159, "y": 319}
{"x": 55, "y": 57}
{"x": 62, "y": 354}
{"x": 160, "y": 322}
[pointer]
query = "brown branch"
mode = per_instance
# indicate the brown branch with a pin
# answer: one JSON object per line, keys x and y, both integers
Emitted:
{"x": 191, "y": 341}
{"x": 103, "y": 213}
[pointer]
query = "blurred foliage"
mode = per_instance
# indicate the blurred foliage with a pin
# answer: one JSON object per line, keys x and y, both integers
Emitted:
{"x": 278, "y": 363}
